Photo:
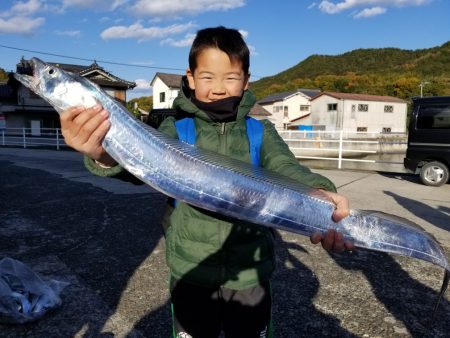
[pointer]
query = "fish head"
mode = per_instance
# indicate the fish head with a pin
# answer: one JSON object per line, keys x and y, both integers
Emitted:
{"x": 58, "y": 87}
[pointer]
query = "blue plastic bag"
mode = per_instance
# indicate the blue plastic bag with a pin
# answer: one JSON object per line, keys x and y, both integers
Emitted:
{"x": 24, "y": 296}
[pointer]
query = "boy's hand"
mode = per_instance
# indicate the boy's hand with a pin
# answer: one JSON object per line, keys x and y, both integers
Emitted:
{"x": 333, "y": 240}
{"x": 84, "y": 129}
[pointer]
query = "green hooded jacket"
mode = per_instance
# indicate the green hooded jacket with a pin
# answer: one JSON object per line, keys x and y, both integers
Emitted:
{"x": 209, "y": 249}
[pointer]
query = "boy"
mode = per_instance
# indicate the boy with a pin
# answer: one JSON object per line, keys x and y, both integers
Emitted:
{"x": 220, "y": 267}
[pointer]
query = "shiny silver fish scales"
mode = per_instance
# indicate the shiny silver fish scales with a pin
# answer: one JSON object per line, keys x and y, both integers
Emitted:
{"x": 220, "y": 184}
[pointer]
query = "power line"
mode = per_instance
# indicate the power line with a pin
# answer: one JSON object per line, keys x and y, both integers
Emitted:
{"x": 92, "y": 60}
{"x": 100, "y": 61}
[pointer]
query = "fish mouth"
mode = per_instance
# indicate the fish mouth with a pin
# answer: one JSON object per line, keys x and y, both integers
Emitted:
{"x": 30, "y": 77}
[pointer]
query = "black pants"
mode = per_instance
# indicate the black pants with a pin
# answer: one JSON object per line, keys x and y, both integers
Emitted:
{"x": 204, "y": 313}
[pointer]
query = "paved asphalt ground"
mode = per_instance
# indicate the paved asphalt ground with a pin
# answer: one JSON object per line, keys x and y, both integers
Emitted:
{"x": 104, "y": 237}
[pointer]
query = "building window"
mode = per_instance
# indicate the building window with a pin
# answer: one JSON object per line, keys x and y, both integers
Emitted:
{"x": 361, "y": 129}
{"x": 388, "y": 109}
{"x": 363, "y": 107}
{"x": 286, "y": 113}
{"x": 332, "y": 106}
{"x": 386, "y": 130}
{"x": 162, "y": 97}
{"x": 277, "y": 109}
{"x": 304, "y": 108}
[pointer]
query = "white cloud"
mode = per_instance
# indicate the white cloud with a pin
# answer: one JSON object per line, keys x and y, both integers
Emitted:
{"x": 369, "y": 12}
{"x": 21, "y": 17}
{"x": 104, "y": 19}
{"x": 100, "y": 5}
{"x": 72, "y": 34}
{"x": 26, "y": 8}
{"x": 185, "y": 42}
{"x": 141, "y": 33}
{"x": 252, "y": 50}
{"x": 182, "y": 7}
{"x": 330, "y": 7}
{"x": 142, "y": 85}
{"x": 243, "y": 33}
{"x": 20, "y": 25}
{"x": 314, "y": 4}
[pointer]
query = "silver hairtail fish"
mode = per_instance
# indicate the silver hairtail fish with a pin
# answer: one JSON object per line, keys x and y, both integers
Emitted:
{"x": 231, "y": 187}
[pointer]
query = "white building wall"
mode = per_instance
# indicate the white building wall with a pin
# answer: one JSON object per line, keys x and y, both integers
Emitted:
{"x": 321, "y": 117}
{"x": 348, "y": 117}
{"x": 170, "y": 94}
{"x": 375, "y": 120}
{"x": 293, "y": 104}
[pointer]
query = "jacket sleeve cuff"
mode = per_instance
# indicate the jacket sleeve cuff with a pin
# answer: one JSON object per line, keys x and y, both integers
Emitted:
{"x": 95, "y": 169}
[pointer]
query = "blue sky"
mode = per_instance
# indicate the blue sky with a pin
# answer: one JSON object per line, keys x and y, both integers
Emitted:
{"x": 156, "y": 34}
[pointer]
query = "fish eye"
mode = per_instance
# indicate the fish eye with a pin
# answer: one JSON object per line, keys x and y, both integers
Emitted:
{"x": 51, "y": 71}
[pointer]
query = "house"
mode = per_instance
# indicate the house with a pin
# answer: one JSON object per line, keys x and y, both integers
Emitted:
{"x": 357, "y": 112}
{"x": 288, "y": 108}
{"x": 165, "y": 89}
{"x": 259, "y": 112}
{"x": 8, "y": 102}
{"x": 22, "y": 108}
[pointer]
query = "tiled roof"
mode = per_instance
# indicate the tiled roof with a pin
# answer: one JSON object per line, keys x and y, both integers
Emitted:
{"x": 23, "y": 67}
{"x": 360, "y": 97}
{"x": 258, "y": 110}
{"x": 171, "y": 80}
{"x": 281, "y": 96}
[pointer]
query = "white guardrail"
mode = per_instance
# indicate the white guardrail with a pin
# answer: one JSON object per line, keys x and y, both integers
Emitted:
{"x": 341, "y": 145}
{"x": 29, "y": 137}
{"x": 312, "y": 145}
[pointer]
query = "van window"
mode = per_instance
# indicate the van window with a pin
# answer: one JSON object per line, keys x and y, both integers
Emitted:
{"x": 434, "y": 117}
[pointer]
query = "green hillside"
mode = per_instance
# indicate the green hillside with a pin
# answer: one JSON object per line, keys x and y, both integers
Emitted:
{"x": 382, "y": 71}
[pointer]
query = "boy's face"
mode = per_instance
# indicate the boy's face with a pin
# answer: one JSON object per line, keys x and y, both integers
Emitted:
{"x": 216, "y": 77}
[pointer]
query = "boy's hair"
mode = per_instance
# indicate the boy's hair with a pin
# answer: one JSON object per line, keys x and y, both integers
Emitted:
{"x": 228, "y": 40}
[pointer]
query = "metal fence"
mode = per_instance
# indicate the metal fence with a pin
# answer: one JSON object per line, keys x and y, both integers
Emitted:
{"x": 342, "y": 146}
{"x": 30, "y": 137}
{"x": 337, "y": 146}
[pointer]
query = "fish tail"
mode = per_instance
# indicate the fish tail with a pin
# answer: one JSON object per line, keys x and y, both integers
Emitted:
{"x": 441, "y": 294}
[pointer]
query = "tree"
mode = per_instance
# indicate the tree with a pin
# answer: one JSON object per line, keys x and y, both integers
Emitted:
{"x": 144, "y": 102}
{"x": 3, "y": 75}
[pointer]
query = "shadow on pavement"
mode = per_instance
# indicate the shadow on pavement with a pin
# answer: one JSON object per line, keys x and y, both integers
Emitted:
{"x": 437, "y": 217}
{"x": 293, "y": 291}
{"x": 409, "y": 301}
{"x": 78, "y": 233}
{"x": 109, "y": 247}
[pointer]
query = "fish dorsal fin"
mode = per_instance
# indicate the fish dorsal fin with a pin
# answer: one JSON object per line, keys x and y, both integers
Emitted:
{"x": 388, "y": 217}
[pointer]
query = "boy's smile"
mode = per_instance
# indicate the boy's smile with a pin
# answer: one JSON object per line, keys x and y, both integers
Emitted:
{"x": 216, "y": 76}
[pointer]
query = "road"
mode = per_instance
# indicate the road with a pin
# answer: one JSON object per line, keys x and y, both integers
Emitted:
{"x": 103, "y": 236}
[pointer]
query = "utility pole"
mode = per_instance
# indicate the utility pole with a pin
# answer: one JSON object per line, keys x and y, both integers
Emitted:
{"x": 422, "y": 84}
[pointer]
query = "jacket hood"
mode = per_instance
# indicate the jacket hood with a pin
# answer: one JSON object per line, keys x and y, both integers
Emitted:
{"x": 185, "y": 107}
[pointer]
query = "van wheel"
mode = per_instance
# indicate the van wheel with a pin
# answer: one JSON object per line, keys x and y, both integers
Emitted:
{"x": 434, "y": 174}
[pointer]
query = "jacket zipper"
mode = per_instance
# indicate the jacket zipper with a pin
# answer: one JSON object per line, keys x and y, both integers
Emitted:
{"x": 223, "y": 143}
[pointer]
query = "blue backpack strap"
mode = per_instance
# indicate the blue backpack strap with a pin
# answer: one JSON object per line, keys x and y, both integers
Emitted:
{"x": 255, "y": 131}
{"x": 186, "y": 133}
{"x": 186, "y": 130}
